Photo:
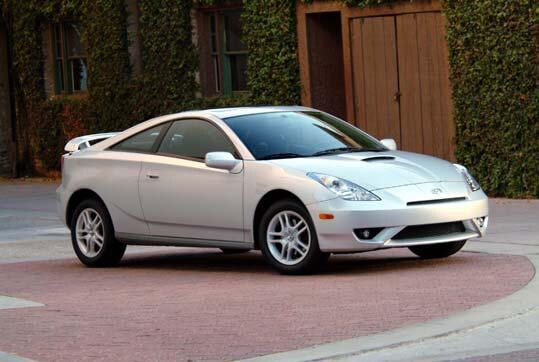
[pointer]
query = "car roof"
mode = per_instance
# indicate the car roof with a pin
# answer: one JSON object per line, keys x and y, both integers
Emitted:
{"x": 220, "y": 113}
{"x": 224, "y": 113}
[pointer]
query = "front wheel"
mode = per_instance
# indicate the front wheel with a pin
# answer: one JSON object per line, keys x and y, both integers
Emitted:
{"x": 288, "y": 239}
{"x": 435, "y": 251}
{"x": 92, "y": 235}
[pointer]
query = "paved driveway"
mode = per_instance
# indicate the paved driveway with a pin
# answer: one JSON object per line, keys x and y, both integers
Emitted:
{"x": 204, "y": 305}
{"x": 199, "y": 304}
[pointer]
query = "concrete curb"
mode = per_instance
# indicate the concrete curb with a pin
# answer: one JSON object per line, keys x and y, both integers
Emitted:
{"x": 12, "y": 303}
{"x": 513, "y": 306}
{"x": 6, "y": 357}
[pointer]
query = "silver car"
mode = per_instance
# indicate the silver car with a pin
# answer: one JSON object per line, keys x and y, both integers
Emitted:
{"x": 294, "y": 182}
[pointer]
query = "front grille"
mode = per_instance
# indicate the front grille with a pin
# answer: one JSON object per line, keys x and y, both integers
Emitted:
{"x": 429, "y": 230}
{"x": 437, "y": 201}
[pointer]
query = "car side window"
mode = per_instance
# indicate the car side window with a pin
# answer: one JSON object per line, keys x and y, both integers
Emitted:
{"x": 141, "y": 142}
{"x": 193, "y": 138}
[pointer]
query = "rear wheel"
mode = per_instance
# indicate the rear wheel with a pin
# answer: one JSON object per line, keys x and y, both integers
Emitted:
{"x": 92, "y": 235}
{"x": 434, "y": 251}
{"x": 288, "y": 239}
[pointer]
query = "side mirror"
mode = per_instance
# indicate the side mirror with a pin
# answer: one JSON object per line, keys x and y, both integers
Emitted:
{"x": 221, "y": 160}
{"x": 389, "y": 143}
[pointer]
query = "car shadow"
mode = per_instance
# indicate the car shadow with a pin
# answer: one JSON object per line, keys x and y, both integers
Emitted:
{"x": 253, "y": 262}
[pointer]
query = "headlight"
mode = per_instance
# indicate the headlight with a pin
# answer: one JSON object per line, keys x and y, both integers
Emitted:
{"x": 474, "y": 185}
{"x": 344, "y": 189}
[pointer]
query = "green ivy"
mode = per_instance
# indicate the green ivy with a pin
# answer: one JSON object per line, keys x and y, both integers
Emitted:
{"x": 22, "y": 19}
{"x": 104, "y": 23}
{"x": 270, "y": 32}
{"x": 169, "y": 57}
{"x": 493, "y": 57}
{"x": 60, "y": 120}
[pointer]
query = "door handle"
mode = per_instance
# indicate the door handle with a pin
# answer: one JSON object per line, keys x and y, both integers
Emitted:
{"x": 152, "y": 176}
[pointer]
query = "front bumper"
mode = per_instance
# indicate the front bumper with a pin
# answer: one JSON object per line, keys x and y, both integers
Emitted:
{"x": 391, "y": 216}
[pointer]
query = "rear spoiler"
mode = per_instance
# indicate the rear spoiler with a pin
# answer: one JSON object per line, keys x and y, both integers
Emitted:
{"x": 80, "y": 143}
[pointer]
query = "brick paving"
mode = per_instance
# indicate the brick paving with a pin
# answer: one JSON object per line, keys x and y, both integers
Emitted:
{"x": 186, "y": 304}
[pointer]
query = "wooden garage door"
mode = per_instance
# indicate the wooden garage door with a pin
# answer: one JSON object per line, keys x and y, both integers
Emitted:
{"x": 374, "y": 55}
{"x": 401, "y": 81}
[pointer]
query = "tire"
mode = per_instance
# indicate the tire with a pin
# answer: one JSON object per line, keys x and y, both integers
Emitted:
{"x": 87, "y": 246}
{"x": 272, "y": 221}
{"x": 436, "y": 251}
{"x": 234, "y": 251}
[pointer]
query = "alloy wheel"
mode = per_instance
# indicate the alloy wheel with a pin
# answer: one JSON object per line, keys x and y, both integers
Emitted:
{"x": 90, "y": 233}
{"x": 288, "y": 237}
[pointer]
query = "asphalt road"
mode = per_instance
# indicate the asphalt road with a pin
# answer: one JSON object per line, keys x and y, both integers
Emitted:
{"x": 29, "y": 225}
{"x": 199, "y": 304}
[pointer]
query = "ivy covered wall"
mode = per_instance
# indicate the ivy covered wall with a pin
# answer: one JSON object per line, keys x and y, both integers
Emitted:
{"x": 44, "y": 125}
{"x": 493, "y": 58}
{"x": 109, "y": 74}
{"x": 270, "y": 28}
{"x": 169, "y": 57}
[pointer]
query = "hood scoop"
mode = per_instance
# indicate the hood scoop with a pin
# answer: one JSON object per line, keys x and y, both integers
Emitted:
{"x": 378, "y": 158}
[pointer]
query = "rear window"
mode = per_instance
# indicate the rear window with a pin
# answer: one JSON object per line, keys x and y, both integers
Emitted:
{"x": 144, "y": 141}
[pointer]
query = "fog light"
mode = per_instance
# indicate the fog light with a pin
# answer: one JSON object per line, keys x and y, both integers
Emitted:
{"x": 367, "y": 233}
{"x": 480, "y": 221}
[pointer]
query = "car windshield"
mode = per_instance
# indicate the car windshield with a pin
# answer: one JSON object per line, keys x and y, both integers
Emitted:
{"x": 299, "y": 134}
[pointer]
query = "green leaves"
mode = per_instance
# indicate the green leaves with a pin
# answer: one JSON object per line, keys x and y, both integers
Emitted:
{"x": 109, "y": 72}
{"x": 169, "y": 56}
{"x": 493, "y": 55}
{"x": 270, "y": 31}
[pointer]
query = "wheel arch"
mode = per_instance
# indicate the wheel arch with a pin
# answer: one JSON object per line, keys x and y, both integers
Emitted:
{"x": 266, "y": 201}
{"x": 76, "y": 198}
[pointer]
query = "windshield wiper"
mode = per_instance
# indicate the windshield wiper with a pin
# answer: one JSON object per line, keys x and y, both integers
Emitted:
{"x": 368, "y": 150}
{"x": 336, "y": 150}
{"x": 281, "y": 155}
{"x": 345, "y": 149}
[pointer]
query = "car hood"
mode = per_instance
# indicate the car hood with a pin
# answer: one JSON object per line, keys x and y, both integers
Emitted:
{"x": 377, "y": 170}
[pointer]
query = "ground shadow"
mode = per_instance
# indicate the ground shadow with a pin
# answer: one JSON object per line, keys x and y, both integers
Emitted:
{"x": 215, "y": 261}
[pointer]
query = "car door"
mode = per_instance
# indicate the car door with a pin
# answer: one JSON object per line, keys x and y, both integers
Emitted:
{"x": 182, "y": 197}
{"x": 117, "y": 177}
